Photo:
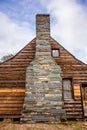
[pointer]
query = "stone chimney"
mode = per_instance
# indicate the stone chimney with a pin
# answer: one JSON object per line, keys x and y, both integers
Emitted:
{"x": 43, "y": 47}
{"x": 43, "y": 97}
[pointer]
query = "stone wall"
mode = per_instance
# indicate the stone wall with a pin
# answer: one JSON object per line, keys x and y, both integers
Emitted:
{"x": 43, "y": 97}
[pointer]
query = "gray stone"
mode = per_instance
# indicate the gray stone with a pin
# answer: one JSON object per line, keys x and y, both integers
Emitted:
{"x": 40, "y": 118}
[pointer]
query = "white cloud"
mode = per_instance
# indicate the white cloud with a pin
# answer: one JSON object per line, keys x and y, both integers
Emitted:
{"x": 70, "y": 28}
{"x": 13, "y": 37}
{"x": 68, "y": 20}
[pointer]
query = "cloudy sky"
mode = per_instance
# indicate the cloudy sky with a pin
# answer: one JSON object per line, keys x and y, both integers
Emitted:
{"x": 68, "y": 24}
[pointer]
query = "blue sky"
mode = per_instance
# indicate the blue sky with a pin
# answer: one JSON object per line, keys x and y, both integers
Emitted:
{"x": 68, "y": 24}
{"x": 21, "y": 10}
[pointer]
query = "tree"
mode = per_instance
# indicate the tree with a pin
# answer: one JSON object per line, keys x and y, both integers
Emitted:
{"x": 6, "y": 57}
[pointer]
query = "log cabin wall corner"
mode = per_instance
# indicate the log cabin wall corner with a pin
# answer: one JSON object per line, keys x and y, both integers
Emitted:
{"x": 13, "y": 85}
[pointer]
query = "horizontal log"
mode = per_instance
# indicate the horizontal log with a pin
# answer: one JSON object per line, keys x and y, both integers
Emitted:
{"x": 10, "y": 116}
{"x": 5, "y": 85}
{"x": 72, "y": 105}
{"x": 15, "y": 65}
{"x": 11, "y": 73}
{"x": 24, "y": 60}
{"x": 15, "y": 105}
{"x": 7, "y": 69}
{"x": 80, "y": 72}
{"x": 72, "y": 102}
{"x": 80, "y": 81}
{"x": 12, "y": 77}
{"x": 11, "y": 109}
{"x": 12, "y": 98}
{"x": 13, "y": 81}
{"x": 73, "y": 110}
{"x": 28, "y": 50}
{"x": 25, "y": 55}
{"x": 74, "y": 116}
{"x": 12, "y": 90}
{"x": 12, "y": 94}
{"x": 12, "y": 84}
{"x": 10, "y": 112}
{"x": 7, "y": 101}
{"x": 61, "y": 63}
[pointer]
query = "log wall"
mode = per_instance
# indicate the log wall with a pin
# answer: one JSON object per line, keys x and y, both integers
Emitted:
{"x": 77, "y": 71}
{"x": 12, "y": 80}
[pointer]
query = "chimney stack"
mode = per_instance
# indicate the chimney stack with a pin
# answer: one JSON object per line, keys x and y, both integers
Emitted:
{"x": 43, "y": 47}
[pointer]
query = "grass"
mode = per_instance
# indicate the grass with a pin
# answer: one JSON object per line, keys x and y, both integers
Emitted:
{"x": 77, "y": 128}
{"x": 69, "y": 125}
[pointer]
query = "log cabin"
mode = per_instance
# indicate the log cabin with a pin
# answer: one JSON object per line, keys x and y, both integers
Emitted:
{"x": 43, "y": 82}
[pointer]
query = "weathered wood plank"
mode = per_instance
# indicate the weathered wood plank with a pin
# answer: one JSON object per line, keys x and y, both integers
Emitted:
{"x": 10, "y": 112}
{"x": 15, "y": 105}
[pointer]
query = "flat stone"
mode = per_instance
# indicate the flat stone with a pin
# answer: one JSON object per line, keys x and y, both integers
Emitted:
{"x": 40, "y": 118}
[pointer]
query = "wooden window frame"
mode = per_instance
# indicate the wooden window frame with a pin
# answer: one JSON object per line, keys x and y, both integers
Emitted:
{"x": 72, "y": 92}
{"x": 52, "y": 52}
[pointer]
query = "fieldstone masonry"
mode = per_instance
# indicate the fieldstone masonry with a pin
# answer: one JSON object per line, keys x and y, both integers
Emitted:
{"x": 43, "y": 97}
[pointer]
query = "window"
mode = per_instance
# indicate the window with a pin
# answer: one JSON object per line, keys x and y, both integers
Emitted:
{"x": 55, "y": 52}
{"x": 67, "y": 88}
